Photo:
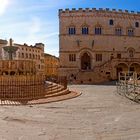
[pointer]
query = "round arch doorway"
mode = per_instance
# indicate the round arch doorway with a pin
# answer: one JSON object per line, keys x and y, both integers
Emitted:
{"x": 85, "y": 62}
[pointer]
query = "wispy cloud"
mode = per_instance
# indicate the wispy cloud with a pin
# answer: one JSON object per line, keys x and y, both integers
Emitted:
{"x": 35, "y": 27}
{"x": 3, "y": 6}
{"x": 61, "y": 3}
{"x": 42, "y": 5}
{"x": 52, "y": 34}
{"x": 33, "y": 21}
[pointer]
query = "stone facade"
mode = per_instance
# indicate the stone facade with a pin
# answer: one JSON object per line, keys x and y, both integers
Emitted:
{"x": 96, "y": 44}
{"x": 2, "y": 44}
{"x": 29, "y": 57}
{"x": 51, "y": 65}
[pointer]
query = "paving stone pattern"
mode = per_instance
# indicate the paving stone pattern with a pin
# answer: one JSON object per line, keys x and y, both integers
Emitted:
{"x": 98, "y": 114}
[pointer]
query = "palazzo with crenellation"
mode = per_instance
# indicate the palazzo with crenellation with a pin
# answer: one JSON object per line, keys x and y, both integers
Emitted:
{"x": 96, "y": 44}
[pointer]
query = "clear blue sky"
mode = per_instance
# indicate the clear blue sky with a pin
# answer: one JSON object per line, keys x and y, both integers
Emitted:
{"x": 32, "y": 21}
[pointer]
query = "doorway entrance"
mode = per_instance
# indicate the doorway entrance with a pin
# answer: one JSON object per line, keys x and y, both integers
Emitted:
{"x": 85, "y": 62}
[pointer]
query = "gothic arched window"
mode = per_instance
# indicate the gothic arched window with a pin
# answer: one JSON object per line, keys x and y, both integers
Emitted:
{"x": 98, "y": 30}
{"x": 130, "y": 32}
{"x": 118, "y": 31}
{"x": 72, "y": 30}
{"x": 85, "y": 30}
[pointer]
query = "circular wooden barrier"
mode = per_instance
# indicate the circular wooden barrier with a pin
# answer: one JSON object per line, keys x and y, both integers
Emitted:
{"x": 22, "y": 87}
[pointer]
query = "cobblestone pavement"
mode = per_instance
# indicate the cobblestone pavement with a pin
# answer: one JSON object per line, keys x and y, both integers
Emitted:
{"x": 98, "y": 114}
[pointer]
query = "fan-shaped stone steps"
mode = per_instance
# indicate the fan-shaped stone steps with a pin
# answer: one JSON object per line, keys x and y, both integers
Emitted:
{"x": 53, "y": 92}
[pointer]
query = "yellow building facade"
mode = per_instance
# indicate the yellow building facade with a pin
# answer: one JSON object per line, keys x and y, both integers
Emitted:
{"x": 51, "y": 65}
{"x": 97, "y": 44}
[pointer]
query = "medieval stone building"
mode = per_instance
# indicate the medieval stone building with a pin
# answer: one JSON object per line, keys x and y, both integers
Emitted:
{"x": 95, "y": 45}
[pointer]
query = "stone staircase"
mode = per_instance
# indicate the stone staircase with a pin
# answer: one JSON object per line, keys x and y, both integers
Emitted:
{"x": 89, "y": 77}
{"x": 54, "y": 89}
{"x": 102, "y": 69}
{"x": 95, "y": 76}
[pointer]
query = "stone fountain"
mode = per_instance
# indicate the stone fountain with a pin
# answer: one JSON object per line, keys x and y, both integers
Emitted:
{"x": 18, "y": 81}
{"x": 10, "y": 49}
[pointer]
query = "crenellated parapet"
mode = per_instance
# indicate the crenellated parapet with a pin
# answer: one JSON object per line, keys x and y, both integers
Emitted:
{"x": 67, "y": 10}
{"x": 100, "y": 11}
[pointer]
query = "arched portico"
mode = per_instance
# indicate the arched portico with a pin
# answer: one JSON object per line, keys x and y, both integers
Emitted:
{"x": 134, "y": 67}
{"x": 121, "y": 67}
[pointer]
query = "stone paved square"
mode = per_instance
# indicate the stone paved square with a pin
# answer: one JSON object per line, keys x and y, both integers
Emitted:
{"x": 98, "y": 114}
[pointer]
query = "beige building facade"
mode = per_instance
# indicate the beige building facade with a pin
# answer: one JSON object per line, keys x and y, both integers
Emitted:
{"x": 96, "y": 44}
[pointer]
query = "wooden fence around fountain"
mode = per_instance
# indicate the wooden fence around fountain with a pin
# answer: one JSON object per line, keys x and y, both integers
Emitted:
{"x": 24, "y": 88}
{"x": 21, "y": 87}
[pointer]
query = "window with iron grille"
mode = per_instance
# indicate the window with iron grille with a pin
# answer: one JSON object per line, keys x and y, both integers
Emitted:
{"x": 98, "y": 57}
{"x": 72, "y": 57}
